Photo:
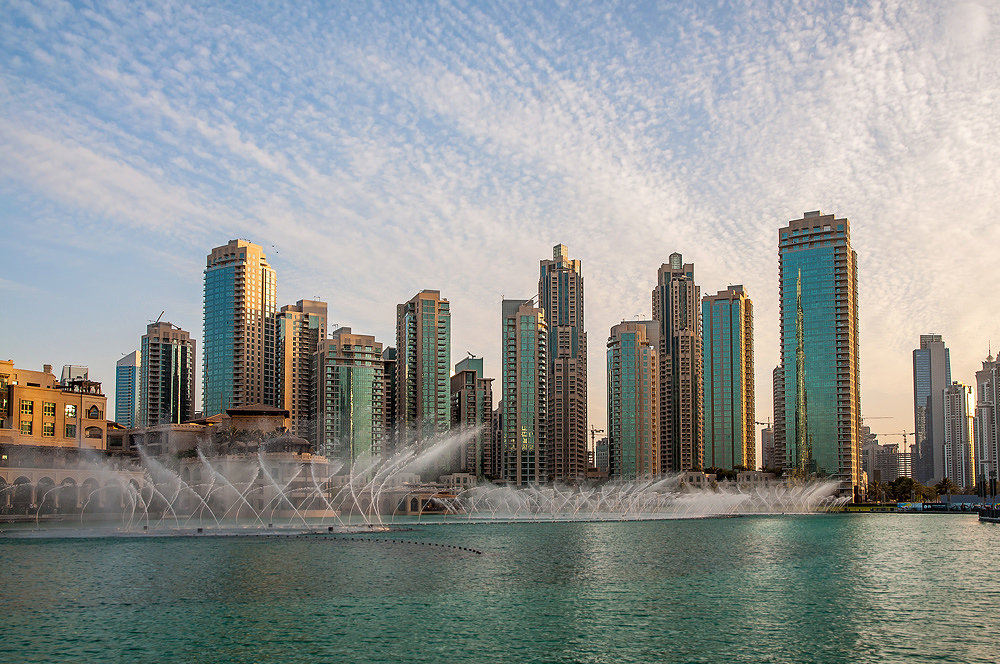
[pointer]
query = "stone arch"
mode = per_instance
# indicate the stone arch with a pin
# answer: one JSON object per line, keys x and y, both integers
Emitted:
{"x": 414, "y": 505}
{"x": 89, "y": 495}
{"x": 94, "y": 432}
{"x": 186, "y": 475}
{"x": 94, "y": 413}
{"x": 69, "y": 495}
{"x": 23, "y": 495}
{"x": 4, "y": 494}
{"x": 114, "y": 497}
{"x": 45, "y": 495}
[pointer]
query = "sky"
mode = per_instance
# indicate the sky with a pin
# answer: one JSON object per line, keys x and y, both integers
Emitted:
{"x": 377, "y": 149}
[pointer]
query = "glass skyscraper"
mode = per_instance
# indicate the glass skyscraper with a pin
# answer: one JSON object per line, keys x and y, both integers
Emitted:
{"x": 239, "y": 333}
{"x": 523, "y": 442}
{"x": 727, "y": 347}
{"x": 127, "y": 390}
{"x": 931, "y": 375}
{"x": 820, "y": 398}
{"x": 166, "y": 376}
{"x": 633, "y": 440}
{"x": 472, "y": 410}
{"x": 423, "y": 385}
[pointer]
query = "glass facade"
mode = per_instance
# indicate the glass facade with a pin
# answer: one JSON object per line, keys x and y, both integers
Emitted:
{"x": 633, "y": 443}
{"x": 727, "y": 343}
{"x": 423, "y": 339}
{"x": 819, "y": 349}
{"x": 523, "y": 437}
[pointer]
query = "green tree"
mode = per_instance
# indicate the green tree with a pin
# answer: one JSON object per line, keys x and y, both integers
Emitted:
{"x": 945, "y": 487}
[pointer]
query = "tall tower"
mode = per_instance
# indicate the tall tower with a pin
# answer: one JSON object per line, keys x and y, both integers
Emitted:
{"x": 351, "y": 396}
{"x": 560, "y": 296}
{"x": 423, "y": 388}
{"x": 239, "y": 343}
{"x": 524, "y": 416}
{"x": 818, "y": 404}
{"x": 127, "y": 389}
{"x": 959, "y": 452}
{"x": 472, "y": 410}
{"x": 300, "y": 329}
{"x": 931, "y": 375}
{"x": 987, "y": 422}
{"x": 676, "y": 300}
{"x": 166, "y": 377}
{"x": 727, "y": 344}
{"x": 633, "y": 431}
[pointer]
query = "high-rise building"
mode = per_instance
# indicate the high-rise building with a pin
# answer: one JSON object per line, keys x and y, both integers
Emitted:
{"x": 524, "y": 436}
{"x": 127, "y": 390}
{"x": 820, "y": 396}
{"x": 472, "y": 415}
{"x": 727, "y": 356}
{"x": 931, "y": 375}
{"x": 633, "y": 432}
{"x": 676, "y": 301}
{"x": 351, "y": 396}
{"x": 958, "y": 451}
{"x": 767, "y": 447}
{"x": 166, "y": 376}
{"x": 423, "y": 388}
{"x": 300, "y": 329}
{"x": 987, "y": 422}
{"x": 560, "y": 296}
{"x": 239, "y": 342}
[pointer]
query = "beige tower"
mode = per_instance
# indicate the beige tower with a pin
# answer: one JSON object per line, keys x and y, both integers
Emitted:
{"x": 239, "y": 343}
{"x": 560, "y": 296}
{"x": 301, "y": 327}
{"x": 676, "y": 300}
{"x": 633, "y": 422}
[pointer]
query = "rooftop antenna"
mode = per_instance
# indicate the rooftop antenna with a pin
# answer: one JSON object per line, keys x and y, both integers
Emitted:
{"x": 471, "y": 355}
{"x": 154, "y": 322}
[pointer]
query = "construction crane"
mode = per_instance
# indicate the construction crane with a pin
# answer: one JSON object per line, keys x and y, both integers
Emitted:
{"x": 592, "y": 452}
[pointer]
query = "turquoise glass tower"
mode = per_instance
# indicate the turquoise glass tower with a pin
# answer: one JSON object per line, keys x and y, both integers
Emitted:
{"x": 820, "y": 397}
{"x": 633, "y": 434}
{"x": 523, "y": 436}
{"x": 727, "y": 344}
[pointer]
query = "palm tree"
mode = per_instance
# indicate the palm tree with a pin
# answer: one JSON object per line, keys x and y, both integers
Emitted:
{"x": 945, "y": 486}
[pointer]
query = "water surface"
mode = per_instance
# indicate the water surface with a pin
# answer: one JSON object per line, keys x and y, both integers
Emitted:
{"x": 822, "y": 588}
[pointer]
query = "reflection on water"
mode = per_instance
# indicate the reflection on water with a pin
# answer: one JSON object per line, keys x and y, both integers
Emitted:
{"x": 822, "y": 588}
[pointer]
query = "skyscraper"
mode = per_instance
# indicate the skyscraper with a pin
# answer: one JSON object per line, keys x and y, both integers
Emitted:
{"x": 239, "y": 343}
{"x": 676, "y": 301}
{"x": 987, "y": 422}
{"x": 423, "y": 388}
{"x": 127, "y": 390}
{"x": 351, "y": 396}
{"x": 931, "y": 375}
{"x": 300, "y": 329}
{"x": 166, "y": 376}
{"x": 523, "y": 419}
{"x": 820, "y": 398}
{"x": 727, "y": 345}
{"x": 959, "y": 454}
{"x": 472, "y": 412}
{"x": 633, "y": 431}
{"x": 560, "y": 296}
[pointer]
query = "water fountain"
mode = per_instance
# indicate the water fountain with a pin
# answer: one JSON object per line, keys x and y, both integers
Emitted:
{"x": 281, "y": 485}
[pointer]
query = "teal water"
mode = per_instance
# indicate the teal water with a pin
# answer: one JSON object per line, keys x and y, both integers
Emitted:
{"x": 823, "y": 588}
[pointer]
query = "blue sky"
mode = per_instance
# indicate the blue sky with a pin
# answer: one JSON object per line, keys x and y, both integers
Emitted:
{"x": 377, "y": 149}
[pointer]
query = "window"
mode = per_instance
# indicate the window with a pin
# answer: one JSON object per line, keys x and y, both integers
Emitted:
{"x": 49, "y": 409}
{"x": 49, "y": 430}
{"x": 93, "y": 432}
{"x": 26, "y": 427}
{"x": 27, "y": 407}
{"x": 70, "y": 411}
{"x": 71, "y": 431}
{"x": 93, "y": 414}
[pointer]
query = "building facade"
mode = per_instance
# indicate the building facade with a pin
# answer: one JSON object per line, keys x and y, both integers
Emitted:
{"x": 819, "y": 400}
{"x": 351, "y": 396}
{"x": 127, "y": 389}
{"x": 958, "y": 451}
{"x": 166, "y": 376}
{"x": 239, "y": 333}
{"x": 300, "y": 329}
{"x": 728, "y": 379}
{"x": 931, "y": 375}
{"x": 524, "y": 418}
{"x": 423, "y": 386}
{"x": 633, "y": 431}
{"x": 560, "y": 296}
{"x": 472, "y": 417}
{"x": 676, "y": 308}
{"x": 986, "y": 428}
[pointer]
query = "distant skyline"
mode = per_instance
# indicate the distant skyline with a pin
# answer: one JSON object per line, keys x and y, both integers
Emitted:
{"x": 375, "y": 151}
